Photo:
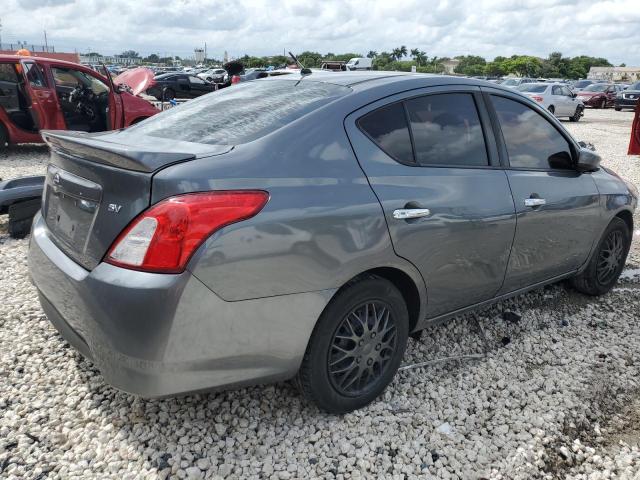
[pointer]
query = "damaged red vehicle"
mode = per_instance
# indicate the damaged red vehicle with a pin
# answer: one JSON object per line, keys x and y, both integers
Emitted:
{"x": 42, "y": 93}
{"x": 634, "y": 143}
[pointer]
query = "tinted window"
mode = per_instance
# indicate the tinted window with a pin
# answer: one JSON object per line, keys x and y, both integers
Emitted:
{"x": 240, "y": 114}
{"x": 388, "y": 128}
{"x": 446, "y": 130}
{"x": 557, "y": 91}
{"x": 566, "y": 92}
{"x": 196, "y": 80}
{"x": 8, "y": 73}
{"x": 35, "y": 75}
{"x": 531, "y": 141}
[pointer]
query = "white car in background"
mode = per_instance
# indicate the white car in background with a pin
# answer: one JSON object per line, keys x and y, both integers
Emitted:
{"x": 555, "y": 97}
{"x": 360, "y": 63}
{"x": 217, "y": 75}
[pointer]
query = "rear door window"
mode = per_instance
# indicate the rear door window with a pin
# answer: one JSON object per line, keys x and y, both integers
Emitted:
{"x": 447, "y": 130}
{"x": 531, "y": 141}
{"x": 34, "y": 74}
{"x": 388, "y": 128}
{"x": 242, "y": 113}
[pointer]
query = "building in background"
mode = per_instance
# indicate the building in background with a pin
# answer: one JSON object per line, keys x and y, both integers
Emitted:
{"x": 199, "y": 54}
{"x": 449, "y": 65}
{"x": 109, "y": 59}
{"x": 614, "y": 74}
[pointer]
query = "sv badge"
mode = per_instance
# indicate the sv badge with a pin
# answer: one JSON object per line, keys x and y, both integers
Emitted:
{"x": 114, "y": 208}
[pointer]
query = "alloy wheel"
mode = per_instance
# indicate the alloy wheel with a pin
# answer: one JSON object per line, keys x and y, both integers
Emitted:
{"x": 362, "y": 348}
{"x": 610, "y": 257}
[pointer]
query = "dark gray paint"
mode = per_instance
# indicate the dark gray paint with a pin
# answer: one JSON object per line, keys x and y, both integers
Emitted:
{"x": 246, "y": 306}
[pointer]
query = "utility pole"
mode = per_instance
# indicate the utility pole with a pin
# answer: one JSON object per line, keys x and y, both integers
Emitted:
{"x": 0, "y": 34}
{"x": 46, "y": 44}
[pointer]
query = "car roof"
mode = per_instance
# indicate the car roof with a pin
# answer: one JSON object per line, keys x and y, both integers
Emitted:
{"x": 18, "y": 58}
{"x": 369, "y": 79}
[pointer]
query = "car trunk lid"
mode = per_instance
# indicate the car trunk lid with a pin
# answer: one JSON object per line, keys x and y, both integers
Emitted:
{"x": 95, "y": 186}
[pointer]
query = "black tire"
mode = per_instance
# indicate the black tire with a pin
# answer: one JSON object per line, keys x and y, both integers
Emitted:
{"x": 604, "y": 269}
{"x": 168, "y": 94}
{"x": 617, "y": 109}
{"x": 21, "y": 217}
{"x": 603, "y": 104}
{"x": 552, "y": 109}
{"x": 576, "y": 116}
{"x": 4, "y": 137}
{"x": 364, "y": 329}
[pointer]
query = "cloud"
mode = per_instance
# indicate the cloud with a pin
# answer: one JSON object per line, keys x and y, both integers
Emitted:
{"x": 489, "y": 28}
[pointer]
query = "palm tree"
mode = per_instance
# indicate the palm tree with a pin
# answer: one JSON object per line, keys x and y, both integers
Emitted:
{"x": 399, "y": 52}
{"x": 372, "y": 54}
{"x": 419, "y": 56}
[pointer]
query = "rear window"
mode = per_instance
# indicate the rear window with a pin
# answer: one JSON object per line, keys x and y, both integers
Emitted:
{"x": 240, "y": 113}
{"x": 532, "y": 88}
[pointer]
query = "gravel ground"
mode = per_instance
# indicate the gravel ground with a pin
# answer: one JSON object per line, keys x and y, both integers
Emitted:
{"x": 556, "y": 396}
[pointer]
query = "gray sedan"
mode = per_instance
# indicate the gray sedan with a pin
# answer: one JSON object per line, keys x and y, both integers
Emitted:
{"x": 555, "y": 97}
{"x": 304, "y": 227}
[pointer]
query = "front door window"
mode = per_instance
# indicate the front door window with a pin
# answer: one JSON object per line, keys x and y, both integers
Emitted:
{"x": 83, "y": 98}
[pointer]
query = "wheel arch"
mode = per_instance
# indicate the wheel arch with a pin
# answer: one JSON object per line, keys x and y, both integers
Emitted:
{"x": 627, "y": 217}
{"x": 138, "y": 120}
{"x": 405, "y": 283}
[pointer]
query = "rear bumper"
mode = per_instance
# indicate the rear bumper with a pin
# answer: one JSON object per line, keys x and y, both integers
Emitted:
{"x": 156, "y": 335}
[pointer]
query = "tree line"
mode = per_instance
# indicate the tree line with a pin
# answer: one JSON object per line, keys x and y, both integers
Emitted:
{"x": 403, "y": 59}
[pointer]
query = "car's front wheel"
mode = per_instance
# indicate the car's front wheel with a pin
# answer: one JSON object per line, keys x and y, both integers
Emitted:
{"x": 356, "y": 346}
{"x": 578, "y": 113}
{"x": 607, "y": 261}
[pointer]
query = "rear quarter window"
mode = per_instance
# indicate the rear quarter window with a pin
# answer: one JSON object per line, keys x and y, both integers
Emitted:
{"x": 241, "y": 113}
{"x": 388, "y": 128}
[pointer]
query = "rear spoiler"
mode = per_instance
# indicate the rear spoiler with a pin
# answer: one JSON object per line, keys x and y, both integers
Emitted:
{"x": 93, "y": 148}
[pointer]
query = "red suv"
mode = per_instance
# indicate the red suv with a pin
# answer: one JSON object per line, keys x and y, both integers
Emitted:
{"x": 42, "y": 93}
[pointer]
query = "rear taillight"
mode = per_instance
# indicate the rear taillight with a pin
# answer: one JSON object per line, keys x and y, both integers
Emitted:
{"x": 163, "y": 238}
{"x": 537, "y": 99}
{"x": 235, "y": 79}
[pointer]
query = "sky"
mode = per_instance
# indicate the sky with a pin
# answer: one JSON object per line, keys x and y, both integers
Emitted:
{"x": 489, "y": 28}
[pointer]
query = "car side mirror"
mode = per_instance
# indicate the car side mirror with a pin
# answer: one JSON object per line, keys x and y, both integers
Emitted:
{"x": 588, "y": 160}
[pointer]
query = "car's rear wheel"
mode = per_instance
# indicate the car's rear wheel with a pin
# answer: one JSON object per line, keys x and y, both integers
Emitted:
{"x": 578, "y": 113}
{"x": 356, "y": 346}
{"x": 607, "y": 262}
{"x": 552, "y": 109}
{"x": 168, "y": 94}
{"x": 603, "y": 104}
{"x": 4, "y": 137}
{"x": 618, "y": 109}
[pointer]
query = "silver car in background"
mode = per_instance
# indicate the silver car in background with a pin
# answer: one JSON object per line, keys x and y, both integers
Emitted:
{"x": 555, "y": 97}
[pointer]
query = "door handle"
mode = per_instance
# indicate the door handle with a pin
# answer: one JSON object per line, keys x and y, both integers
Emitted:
{"x": 534, "y": 202}
{"x": 408, "y": 213}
